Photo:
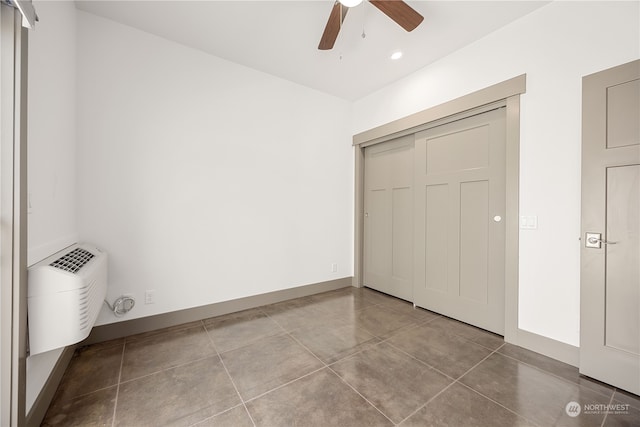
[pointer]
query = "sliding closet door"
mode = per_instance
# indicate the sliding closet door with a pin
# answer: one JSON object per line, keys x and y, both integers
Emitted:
{"x": 459, "y": 220}
{"x": 388, "y": 201}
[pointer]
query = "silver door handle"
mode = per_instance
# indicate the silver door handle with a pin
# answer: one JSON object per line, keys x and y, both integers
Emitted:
{"x": 596, "y": 240}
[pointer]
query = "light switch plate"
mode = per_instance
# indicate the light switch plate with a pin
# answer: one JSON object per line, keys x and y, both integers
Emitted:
{"x": 529, "y": 222}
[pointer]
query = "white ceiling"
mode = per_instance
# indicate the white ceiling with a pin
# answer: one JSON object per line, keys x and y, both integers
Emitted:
{"x": 281, "y": 37}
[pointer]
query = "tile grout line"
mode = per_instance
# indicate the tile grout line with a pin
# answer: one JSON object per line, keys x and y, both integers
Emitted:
{"x": 487, "y": 397}
{"x": 170, "y": 367}
{"x": 308, "y": 349}
{"x": 551, "y": 373}
{"x": 229, "y": 375}
{"x": 115, "y": 404}
{"x": 470, "y": 340}
{"x": 160, "y": 332}
{"x": 285, "y": 384}
{"x": 633, "y": 396}
{"x": 342, "y": 379}
{"x": 216, "y": 414}
{"x": 250, "y": 341}
{"x": 328, "y": 365}
{"x": 453, "y": 334}
{"x": 483, "y": 359}
{"x": 448, "y": 376}
{"x": 361, "y": 395}
{"x": 288, "y": 333}
{"x": 496, "y": 402}
{"x": 426, "y": 403}
{"x": 350, "y": 356}
{"x": 275, "y": 321}
{"x": 324, "y": 366}
{"x": 606, "y": 414}
{"x": 421, "y": 361}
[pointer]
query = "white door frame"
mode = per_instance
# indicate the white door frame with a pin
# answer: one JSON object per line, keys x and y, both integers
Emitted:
{"x": 13, "y": 217}
{"x": 506, "y": 94}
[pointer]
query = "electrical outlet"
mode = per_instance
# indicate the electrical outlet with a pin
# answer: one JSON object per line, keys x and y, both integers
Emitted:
{"x": 150, "y": 296}
{"x": 334, "y": 267}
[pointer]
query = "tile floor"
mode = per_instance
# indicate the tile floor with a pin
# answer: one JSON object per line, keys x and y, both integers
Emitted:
{"x": 351, "y": 357}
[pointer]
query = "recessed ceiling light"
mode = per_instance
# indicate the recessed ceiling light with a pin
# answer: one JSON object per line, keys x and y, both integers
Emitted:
{"x": 396, "y": 55}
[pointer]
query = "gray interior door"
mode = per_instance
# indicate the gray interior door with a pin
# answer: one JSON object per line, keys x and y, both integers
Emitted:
{"x": 459, "y": 228}
{"x": 610, "y": 257}
{"x": 388, "y": 201}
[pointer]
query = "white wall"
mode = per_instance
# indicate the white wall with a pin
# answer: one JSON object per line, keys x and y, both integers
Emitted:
{"x": 204, "y": 180}
{"x": 51, "y": 144}
{"x": 52, "y": 130}
{"x": 555, "y": 46}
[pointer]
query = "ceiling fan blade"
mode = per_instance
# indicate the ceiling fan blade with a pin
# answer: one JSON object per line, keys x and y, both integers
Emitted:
{"x": 333, "y": 26}
{"x": 403, "y": 14}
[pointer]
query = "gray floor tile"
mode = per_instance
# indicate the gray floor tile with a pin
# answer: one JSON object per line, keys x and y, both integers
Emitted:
{"x": 104, "y": 344}
{"x": 382, "y": 321}
{"x": 179, "y": 396}
{"x": 471, "y": 333}
{"x": 298, "y": 313}
{"x": 320, "y": 399}
{"x": 393, "y": 382}
{"x": 92, "y": 368}
{"x": 408, "y": 308}
{"x": 628, "y": 417}
{"x": 162, "y": 331}
{"x": 162, "y": 351}
{"x": 459, "y": 406}
{"x": 341, "y": 301}
{"x": 268, "y": 363}
{"x": 174, "y": 376}
{"x": 532, "y": 393}
{"x": 448, "y": 353}
{"x": 626, "y": 397}
{"x": 555, "y": 367}
{"x": 375, "y": 296}
{"x": 334, "y": 341}
{"x": 236, "y": 417}
{"x": 94, "y": 409}
{"x": 238, "y": 329}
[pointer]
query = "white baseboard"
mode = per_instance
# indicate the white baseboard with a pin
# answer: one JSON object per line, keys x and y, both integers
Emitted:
{"x": 549, "y": 347}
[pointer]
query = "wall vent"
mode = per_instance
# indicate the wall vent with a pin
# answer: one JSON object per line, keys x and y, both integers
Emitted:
{"x": 64, "y": 296}
{"x": 73, "y": 261}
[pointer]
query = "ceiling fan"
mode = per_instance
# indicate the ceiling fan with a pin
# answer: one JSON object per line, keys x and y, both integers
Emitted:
{"x": 403, "y": 14}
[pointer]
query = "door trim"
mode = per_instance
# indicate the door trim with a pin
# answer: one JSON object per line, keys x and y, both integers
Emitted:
{"x": 506, "y": 94}
{"x": 13, "y": 212}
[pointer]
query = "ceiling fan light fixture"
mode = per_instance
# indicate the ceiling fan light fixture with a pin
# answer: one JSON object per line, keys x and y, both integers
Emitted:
{"x": 350, "y": 3}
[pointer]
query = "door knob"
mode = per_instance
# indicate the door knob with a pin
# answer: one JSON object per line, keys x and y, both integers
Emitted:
{"x": 594, "y": 240}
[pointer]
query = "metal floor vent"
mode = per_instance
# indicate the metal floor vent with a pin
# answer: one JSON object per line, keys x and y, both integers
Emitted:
{"x": 73, "y": 261}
